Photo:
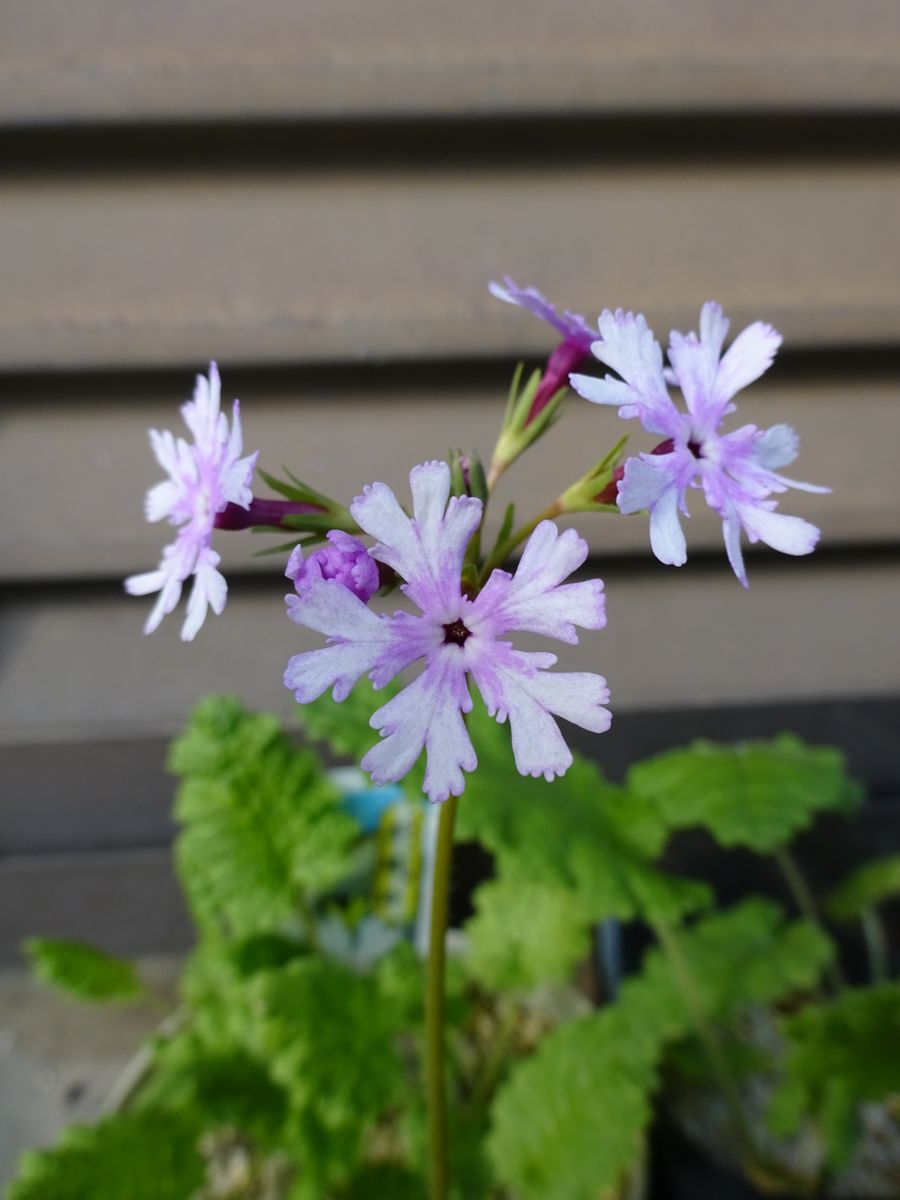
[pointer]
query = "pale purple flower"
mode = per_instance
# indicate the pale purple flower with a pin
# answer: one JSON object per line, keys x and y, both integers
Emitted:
{"x": 572, "y": 326}
{"x": 737, "y": 472}
{"x": 203, "y": 479}
{"x": 456, "y": 636}
{"x": 345, "y": 559}
{"x": 576, "y": 333}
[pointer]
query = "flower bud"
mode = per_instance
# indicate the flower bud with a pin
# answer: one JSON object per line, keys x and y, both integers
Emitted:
{"x": 467, "y": 475}
{"x": 345, "y": 559}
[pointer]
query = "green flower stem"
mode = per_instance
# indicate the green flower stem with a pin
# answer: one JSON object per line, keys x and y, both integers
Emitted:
{"x": 435, "y": 1081}
{"x": 308, "y": 917}
{"x": 876, "y": 945}
{"x": 803, "y": 898}
{"x": 502, "y": 553}
{"x": 708, "y": 1039}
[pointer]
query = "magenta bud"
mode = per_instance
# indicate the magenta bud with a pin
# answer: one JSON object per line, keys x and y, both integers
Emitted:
{"x": 345, "y": 559}
{"x": 610, "y": 493}
{"x": 567, "y": 357}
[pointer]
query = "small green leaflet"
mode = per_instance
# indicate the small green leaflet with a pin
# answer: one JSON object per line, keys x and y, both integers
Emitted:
{"x": 83, "y": 971}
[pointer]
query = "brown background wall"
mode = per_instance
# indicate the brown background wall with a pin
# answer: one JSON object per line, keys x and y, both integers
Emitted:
{"x": 316, "y": 194}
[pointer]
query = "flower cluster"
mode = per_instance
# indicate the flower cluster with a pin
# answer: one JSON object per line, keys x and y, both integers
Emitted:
{"x": 203, "y": 479}
{"x": 466, "y": 603}
{"x": 738, "y": 471}
{"x": 457, "y": 638}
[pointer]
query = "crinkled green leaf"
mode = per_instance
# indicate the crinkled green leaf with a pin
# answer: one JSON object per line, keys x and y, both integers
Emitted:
{"x": 525, "y": 934}
{"x": 330, "y": 1040}
{"x": 868, "y": 887}
{"x": 149, "y": 1155}
{"x": 580, "y": 833}
{"x": 748, "y": 954}
{"x": 224, "y": 1086}
{"x": 82, "y": 970}
{"x": 345, "y": 726}
{"x": 260, "y": 820}
{"x": 840, "y": 1055}
{"x": 569, "y": 1122}
{"x": 346, "y": 730}
{"x": 756, "y": 794}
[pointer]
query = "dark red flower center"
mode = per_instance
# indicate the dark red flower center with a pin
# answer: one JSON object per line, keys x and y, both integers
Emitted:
{"x": 455, "y": 633}
{"x": 668, "y": 446}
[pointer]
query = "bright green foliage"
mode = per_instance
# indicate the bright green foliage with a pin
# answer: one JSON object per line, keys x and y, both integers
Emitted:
{"x": 748, "y": 954}
{"x": 868, "y": 887}
{"x": 83, "y": 971}
{"x": 525, "y": 934}
{"x": 471, "y": 1174}
{"x": 570, "y": 1120}
{"x": 223, "y": 1086}
{"x": 583, "y": 834}
{"x": 261, "y": 822}
{"x": 305, "y": 1063}
{"x": 346, "y": 730}
{"x": 330, "y": 1039}
{"x": 839, "y": 1056}
{"x": 388, "y": 1180}
{"x": 756, "y": 794}
{"x": 345, "y": 726}
{"x": 140, "y": 1156}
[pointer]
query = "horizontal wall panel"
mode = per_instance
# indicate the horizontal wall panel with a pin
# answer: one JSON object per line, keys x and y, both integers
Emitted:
{"x": 125, "y": 900}
{"x": 343, "y": 265}
{"x": 78, "y": 797}
{"x": 97, "y": 61}
{"x": 75, "y": 664}
{"x": 83, "y": 462}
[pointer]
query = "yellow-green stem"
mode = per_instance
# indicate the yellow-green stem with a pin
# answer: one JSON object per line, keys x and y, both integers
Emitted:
{"x": 708, "y": 1039}
{"x": 435, "y": 1080}
{"x": 502, "y": 553}
{"x": 803, "y": 898}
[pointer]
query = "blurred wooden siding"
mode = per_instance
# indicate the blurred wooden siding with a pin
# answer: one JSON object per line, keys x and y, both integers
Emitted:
{"x": 316, "y": 195}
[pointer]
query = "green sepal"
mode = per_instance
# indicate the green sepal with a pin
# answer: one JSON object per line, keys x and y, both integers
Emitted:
{"x": 509, "y": 519}
{"x": 313, "y": 539}
{"x": 469, "y": 577}
{"x": 580, "y": 497}
{"x": 297, "y": 490}
{"x": 477, "y": 483}
{"x": 518, "y": 432}
{"x": 513, "y": 394}
{"x": 317, "y": 522}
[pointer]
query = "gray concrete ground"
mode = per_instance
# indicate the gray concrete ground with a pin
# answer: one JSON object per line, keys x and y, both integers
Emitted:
{"x": 59, "y": 1058}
